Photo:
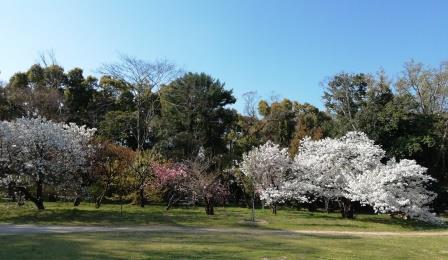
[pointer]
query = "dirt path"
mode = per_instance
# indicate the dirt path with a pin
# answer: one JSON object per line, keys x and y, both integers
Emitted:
{"x": 10, "y": 229}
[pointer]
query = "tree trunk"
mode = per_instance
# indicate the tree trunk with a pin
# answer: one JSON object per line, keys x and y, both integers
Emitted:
{"x": 142, "y": 197}
{"x": 327, "y": 202}
{"x": 171, "y": 202}
{"x": 77, "y": 201}
{"x": 347, "y": 210}
{"x": 209, "y": 210}
{"x": 99, "y": 201}
{"x": 253, "y": 207}
{"x": 11, "y": 191}
{"x": 38, "y": 201}
{"x": 312, "y": 207}
{"x": 274, "y": 209}
{"x": 39, "y": 194}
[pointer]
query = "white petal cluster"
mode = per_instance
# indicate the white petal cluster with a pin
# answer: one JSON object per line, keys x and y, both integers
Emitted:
{"x": 397, "y": 187}
{"x": 328, "y": 165}
{"x": 267, "y": 166}
{"x": 350, "y": 167}
{"x": 39, "y": 150}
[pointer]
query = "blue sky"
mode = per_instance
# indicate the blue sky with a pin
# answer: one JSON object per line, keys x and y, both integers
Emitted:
{"x": 281, "y": 47}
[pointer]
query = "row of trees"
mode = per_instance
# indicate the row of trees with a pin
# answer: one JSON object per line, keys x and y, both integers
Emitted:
{"x": 151, "y": 114}
{"x": 35, "y": 153}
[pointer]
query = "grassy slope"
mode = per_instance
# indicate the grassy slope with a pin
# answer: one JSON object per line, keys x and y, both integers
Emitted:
{"x": 214, "y": 245}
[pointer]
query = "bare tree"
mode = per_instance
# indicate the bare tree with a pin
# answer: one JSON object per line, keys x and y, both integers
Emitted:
{"x": 250, "y": 103}
{"x": 428, "y": 86}
{"x": 47, "y": 58}
{"x": 143, "y": 78}
{"x": 141, "y": 75}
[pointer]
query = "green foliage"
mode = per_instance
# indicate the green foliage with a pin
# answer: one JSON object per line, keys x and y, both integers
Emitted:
{"x": 176, "y": 117}
{"x": 79, "y": 96}
{"x": 194, "y": 115}
{"x": 119, "y": 126}
{"x": 278, "y": 121}
{"x": 344, "y": 96}
{"x": 310, "y": 121}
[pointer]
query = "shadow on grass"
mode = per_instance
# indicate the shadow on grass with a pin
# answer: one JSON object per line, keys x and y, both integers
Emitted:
{"x": 40, "y": 247}
{"x": 109, "y": 215}
{"x": 408, "y": 224}
{"x": 365, "y": 220}
{"x": 155, "y": 246}
{"x": 98, "y": 217}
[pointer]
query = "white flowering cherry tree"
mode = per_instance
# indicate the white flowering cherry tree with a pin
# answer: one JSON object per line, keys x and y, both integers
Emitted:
{"x": 350, "y": 169}
{"x": 266, "y": 166}
{"x": 37, "y": 152}
{"x": 396, "y": 188}
{"x": 328, "y": 165}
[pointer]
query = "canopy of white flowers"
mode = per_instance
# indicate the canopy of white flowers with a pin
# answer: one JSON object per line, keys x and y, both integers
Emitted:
{"x": 39, "y": 150}
{"x": 349, "y": 168}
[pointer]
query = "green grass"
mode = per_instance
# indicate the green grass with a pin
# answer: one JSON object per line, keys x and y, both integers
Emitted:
{"x": 86, "y": 214}
{"x": 212, "y": 245}
{"x": 141, "y": 245}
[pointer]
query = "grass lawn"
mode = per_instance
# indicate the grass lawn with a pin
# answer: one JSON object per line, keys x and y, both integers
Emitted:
{"x": 139, "y": 245}
{"x": 86, "y": 214}
{"x": 212, "y": 245}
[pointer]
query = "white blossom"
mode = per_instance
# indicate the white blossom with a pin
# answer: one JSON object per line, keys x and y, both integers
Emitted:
{"x": 327, "y": 165}
{"x": 351, "y": 168}
{"x": 396, "y": 188}
{"x": 38, "y": 150}
{"x": 267, "y": 165}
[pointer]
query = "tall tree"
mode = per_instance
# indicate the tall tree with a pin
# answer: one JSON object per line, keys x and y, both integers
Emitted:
{"x": 427, "y": 86}
{"x": 345, "y": 95}
{"x": 310, "y": 122}
{"x": 194, "y": 114}
{"x": 142, "y": 78}
{"x": 78, "y": 96}
{"x": 278, "y": 120}
{"x": 38, "y": 92}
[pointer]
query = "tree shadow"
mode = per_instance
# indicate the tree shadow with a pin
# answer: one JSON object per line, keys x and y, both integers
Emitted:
{"x": 407, "y": 224}
{"x": 40, "y": 247}
{"x": 109, "y": 215}
{"x": 157, "y": 245}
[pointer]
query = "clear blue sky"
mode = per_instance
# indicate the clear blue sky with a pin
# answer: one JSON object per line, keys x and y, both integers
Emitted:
{"x": 285, "y": 47}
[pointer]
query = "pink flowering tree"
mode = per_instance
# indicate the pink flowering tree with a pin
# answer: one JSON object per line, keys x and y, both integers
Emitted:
{"x": 171, "y": 180}
{"x": 192, "y": 181}
{"x": 205, "y": 184}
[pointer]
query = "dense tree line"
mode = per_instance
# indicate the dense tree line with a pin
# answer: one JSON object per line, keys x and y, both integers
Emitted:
{"x": 151, "y": 118}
